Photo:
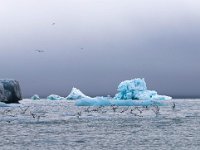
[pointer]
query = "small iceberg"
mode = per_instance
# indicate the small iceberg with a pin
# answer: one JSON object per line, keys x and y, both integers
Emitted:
{"x": 136, "y": 89}
{"x": 76, "y": 94}
{"x": 35, "y": 97}
{"x": 55, "y": 97}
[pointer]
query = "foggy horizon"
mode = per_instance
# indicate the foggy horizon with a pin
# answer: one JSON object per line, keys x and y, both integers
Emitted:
{"x": 95, "y": 45}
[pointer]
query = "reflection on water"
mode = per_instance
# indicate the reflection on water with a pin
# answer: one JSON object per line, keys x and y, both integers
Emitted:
{"x": 61, "y": 125}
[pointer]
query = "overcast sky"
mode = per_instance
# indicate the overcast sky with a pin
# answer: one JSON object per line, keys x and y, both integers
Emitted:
{"x": 96, "y": 44}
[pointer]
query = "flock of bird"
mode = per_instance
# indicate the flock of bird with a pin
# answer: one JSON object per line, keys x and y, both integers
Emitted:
{"x": 134, "y": 110}
{"x": 21, "y": 111}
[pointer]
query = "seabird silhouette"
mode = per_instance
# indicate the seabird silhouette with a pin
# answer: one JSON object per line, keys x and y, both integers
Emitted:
{"x": 173, "y": 106}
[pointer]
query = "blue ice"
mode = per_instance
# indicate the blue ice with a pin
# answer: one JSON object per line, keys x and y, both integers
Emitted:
{"x": 104, "y": 101}
{"x": 136, "y": 89}
{"x": 55, "y": 97}
{"x": 35, "y": 97}
{"x": 3, "y": 104}
{"x": 130, "y": 93}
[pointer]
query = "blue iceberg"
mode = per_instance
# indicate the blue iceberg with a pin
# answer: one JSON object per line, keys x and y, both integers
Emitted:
{"x": 76, "y": 94}
{"x": 35, "y": 97}
{"x": 55, "y": 97}
{"x": 136, "y": 89}
{"x": 130, "y": 93}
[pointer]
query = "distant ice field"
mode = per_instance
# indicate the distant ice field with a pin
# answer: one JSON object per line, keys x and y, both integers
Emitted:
{"x": 46, "y": 124}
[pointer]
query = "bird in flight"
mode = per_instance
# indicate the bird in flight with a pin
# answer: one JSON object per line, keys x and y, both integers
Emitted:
{"x": 53, "y": 23}
{"x": 39, "y": 51}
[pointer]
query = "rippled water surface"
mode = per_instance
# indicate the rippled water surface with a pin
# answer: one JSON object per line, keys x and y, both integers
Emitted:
{"x": 61, "y": 125}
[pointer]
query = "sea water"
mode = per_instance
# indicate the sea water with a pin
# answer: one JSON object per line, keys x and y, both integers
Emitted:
{"x": 44, "y": 124}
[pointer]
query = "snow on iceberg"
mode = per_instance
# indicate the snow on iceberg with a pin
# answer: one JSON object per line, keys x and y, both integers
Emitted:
{"x": 76, "y": 94}
{"x": 136, "y": 89}
{"x": 103, "y": 101}
{"x": 35, "y": 97}
{"x": 55, "y": 97}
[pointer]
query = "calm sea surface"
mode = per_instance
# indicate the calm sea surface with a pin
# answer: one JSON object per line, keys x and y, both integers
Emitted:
{"x": 61, "y": 125}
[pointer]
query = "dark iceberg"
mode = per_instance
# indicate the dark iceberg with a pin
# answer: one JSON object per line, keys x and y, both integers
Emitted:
{"x": 10, "y": 91}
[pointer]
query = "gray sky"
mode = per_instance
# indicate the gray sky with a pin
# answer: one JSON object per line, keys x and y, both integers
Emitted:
{"x": 121, "y": 39}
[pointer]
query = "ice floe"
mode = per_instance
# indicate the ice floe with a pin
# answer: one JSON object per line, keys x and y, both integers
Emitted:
{"x": 4, "y": 104}
{"x": 103, "y": 101}
{"x": 55, "y": 97}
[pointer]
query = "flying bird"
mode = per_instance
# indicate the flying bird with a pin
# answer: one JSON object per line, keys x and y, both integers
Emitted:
{"x": 53, "y": 23}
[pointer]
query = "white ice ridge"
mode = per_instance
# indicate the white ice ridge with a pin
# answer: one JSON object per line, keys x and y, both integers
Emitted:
{"x": 76, "y": 94}
{"x": 136, "y": 89}
{"x": 130, "y": 93}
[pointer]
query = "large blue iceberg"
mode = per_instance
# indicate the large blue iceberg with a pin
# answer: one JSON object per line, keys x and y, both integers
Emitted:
{"x": 130, "y": 93}
{"x": 76, "y": 94}
{"x": 136, "y": 89}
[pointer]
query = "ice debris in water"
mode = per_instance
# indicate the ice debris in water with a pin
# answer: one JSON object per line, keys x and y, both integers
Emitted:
{"x": 55, "y": 97}
{"x": 104, "y": 101}
{"x": 76, "y": 94}
{"x": 136, "y": 89}
{"x": 35, "y": 97}
{"x": 3, "y": 104}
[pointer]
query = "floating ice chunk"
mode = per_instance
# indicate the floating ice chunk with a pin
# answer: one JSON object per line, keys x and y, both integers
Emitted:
{"x": 102, "y": 101}
{"x": 3, "y": 104}
{"x": 55, "y": 97}
{"x": 35, "y": 97}
{"x": 161, "y": 97}
{"x": 76, "y": 94}
{"x": 136, "y": 89}
{"x": 97, "y": 101}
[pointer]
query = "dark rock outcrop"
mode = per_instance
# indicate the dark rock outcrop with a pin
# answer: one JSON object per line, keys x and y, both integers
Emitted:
{"x": 10, "y": 91}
